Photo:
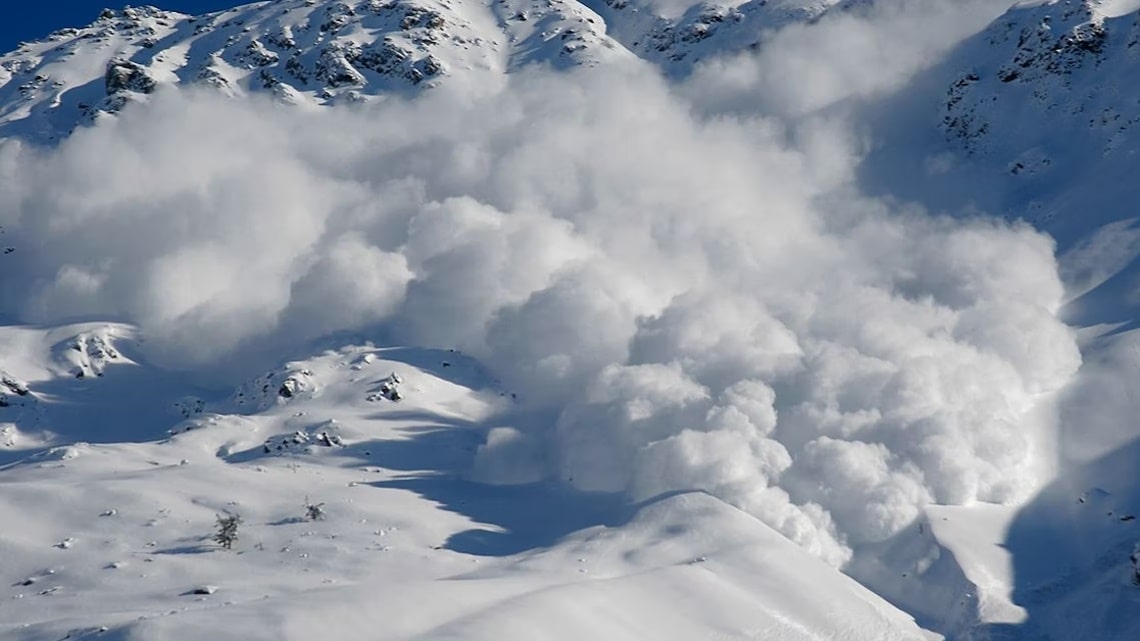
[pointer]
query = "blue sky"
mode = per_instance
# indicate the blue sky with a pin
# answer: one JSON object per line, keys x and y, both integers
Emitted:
{"x": 32, "y": 19}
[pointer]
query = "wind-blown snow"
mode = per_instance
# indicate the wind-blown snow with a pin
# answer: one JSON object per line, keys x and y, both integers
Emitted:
{"x": 701, "y": 301}
{"x": 1116, "y": 8}
{"x": 871, "y": 48}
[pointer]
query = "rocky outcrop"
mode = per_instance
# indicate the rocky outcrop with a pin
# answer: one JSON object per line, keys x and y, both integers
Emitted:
{"x": 124, "y": 75}
{"x": 11, "y": 389}
{"x": 89, "y": 353}
{"x": 323, "y": 435}
{"x": 277, "y": 387}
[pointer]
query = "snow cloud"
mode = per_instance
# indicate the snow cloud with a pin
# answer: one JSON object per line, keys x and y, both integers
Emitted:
{"x": 687, "y": 279}
{"x": 867, "y": 48}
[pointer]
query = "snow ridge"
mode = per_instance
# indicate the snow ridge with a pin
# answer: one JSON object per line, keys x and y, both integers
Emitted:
{"x": 323, "y": 53}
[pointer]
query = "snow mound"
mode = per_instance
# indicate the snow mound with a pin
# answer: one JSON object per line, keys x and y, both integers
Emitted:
{"x": 276, "y": 388}
{"x": 89, "y": 353}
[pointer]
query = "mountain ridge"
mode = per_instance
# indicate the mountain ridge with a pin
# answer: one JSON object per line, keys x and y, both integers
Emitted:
{"x": 330, "y": 52}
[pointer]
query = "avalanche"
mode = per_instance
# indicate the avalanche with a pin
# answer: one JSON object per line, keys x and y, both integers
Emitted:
{"x": 577, "y": 320}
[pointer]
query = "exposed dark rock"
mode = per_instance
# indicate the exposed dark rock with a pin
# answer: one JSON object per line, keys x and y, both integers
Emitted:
{"x": 124, "y": 75}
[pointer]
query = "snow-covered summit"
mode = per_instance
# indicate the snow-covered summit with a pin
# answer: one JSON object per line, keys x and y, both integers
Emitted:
{"x": 299, "y": 51}
{"x": 312, "y": 52}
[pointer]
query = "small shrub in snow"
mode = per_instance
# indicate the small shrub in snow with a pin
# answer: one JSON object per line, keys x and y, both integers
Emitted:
{"x": 227, "y": 533}
{"x": 314, "y": 511}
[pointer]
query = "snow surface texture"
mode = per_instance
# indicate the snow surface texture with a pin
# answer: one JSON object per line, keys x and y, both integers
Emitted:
{"x": 673, "y": 273}
{"x": 115, "y": 540}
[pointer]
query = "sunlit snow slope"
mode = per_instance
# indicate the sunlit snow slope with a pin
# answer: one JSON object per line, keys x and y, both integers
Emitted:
{"x": 112, "y": 539}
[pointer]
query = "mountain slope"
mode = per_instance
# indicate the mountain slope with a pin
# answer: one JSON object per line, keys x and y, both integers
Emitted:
{"x": 113, "y": 539}
{"x": 324, "y": 53}
{"x": 1036, "y": 119}
{"x": 297, "y": 51}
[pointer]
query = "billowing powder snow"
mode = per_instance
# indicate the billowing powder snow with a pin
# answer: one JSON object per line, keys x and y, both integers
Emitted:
{"x": 698, "y": 300}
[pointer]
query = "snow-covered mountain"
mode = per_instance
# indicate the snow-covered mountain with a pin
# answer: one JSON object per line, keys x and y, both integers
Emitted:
{"x": 111, "y": 538}
{"x": 1053, "y": 113}
{"x": 572, "y": 319}
{"x": 328, "y": 52}
{"x": 1037, "y": 117}
{"x": 298, "y": 51}
{"x": 1067, "y": 59}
